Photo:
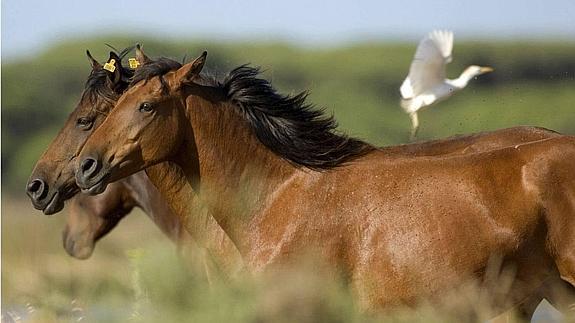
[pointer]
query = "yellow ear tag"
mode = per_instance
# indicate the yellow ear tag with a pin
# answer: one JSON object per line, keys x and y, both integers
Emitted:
{"x": 110, "y": 66}
{"x": 133, "y": 63}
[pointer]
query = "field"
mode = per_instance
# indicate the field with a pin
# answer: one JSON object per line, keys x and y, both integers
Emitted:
{"x": 135, "y": 273}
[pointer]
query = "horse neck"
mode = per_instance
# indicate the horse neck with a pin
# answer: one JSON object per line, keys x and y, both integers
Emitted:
{"x": 147, "y": 197}
{"x": 200, "y": 227}
{"x": 237, "y": 172}
{"x": 182, "y": 204}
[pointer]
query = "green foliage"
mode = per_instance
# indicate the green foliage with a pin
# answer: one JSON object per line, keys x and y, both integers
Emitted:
{"x": 532, "y": 85}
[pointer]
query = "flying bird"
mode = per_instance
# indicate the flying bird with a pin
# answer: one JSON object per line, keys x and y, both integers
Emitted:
{"x": 426, "y": 83}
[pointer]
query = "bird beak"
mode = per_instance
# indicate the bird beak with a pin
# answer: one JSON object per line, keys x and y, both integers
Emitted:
{"x": 484, "y": 70}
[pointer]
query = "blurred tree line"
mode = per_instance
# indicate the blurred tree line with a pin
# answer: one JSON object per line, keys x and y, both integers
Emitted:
{"x": 533, "y": 84}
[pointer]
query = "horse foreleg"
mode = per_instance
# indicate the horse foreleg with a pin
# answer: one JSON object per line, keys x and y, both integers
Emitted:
{"x": 558, "y": 200}
{"x": 525, "y": 310}
{"x": 560, "y": 213}
{"x": 521, "y": 313}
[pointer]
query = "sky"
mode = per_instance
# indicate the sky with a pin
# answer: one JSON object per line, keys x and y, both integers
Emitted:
{"x": 29, "y": 25}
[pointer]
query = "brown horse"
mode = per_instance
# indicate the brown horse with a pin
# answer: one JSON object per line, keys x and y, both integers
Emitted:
{"x": 91, "y": 217}
{"x": 279, "y": 181}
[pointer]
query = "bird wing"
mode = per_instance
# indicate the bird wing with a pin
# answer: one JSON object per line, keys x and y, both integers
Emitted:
{"x": 428, "y": 66}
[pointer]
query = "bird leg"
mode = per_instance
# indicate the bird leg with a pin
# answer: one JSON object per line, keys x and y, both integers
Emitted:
{"x": 414, "y": 125}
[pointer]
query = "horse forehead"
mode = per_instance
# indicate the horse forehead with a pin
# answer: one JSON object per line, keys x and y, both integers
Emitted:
{"x": 84, "y": 106}
{"x": 152, "y": 86}
{"x": 90, "y": 107}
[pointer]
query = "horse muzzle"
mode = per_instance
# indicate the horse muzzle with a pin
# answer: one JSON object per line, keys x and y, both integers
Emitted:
{"x": 44, "y": 199}
{"x": 77, "y": 247}
{"x": 92, "y": 176}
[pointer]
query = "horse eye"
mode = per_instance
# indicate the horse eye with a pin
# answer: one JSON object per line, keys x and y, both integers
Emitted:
{"x": 146, "y": 107}
{"x": 84, "y": 123}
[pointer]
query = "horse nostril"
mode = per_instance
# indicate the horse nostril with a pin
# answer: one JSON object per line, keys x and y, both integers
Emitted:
{"x": 37, "y": 189}
{"x": 34, "y": 186}
{"x": 89, "y": 167}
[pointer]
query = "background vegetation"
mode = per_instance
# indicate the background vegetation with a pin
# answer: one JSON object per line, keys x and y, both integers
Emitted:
{"x": 533, "y": 84}
{"x": 133, "y": 278}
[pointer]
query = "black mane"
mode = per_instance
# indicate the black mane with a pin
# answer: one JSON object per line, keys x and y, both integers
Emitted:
{"x": 287, "y": 125}
{"x": 96, "y": 87}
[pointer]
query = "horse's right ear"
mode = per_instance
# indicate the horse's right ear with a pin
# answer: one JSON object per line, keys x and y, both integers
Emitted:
{"x": 140, "y": 56}
{"x": 189, "y": 71}
{"x": 93, "y": 61}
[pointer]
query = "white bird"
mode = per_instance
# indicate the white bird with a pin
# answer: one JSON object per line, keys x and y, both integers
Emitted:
{"x": 426, "y": 83}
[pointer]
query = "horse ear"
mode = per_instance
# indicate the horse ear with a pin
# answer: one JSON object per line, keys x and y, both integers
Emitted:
{"x": 140, "y": 56}
{"x": 114, "y": 68}
{"x": 189, "y": 71}
{"x": 93, "y": 61}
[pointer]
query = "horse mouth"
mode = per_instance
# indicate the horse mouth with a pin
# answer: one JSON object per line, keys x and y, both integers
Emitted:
{"x": 98, "y": 187}
{"x": 55, "y": 205}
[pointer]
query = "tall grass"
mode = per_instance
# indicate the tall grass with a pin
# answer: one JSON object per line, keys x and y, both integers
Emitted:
{"x": 131, "y": 279}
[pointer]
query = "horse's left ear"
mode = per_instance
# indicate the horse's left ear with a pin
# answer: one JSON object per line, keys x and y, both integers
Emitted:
{"x": 93, "y": 61}
{"x": 189, "y": 71}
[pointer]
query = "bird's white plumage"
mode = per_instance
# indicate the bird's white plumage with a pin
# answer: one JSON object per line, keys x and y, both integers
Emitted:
{"x": 426, "y": 82}
{"x": 428, "y": 67}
